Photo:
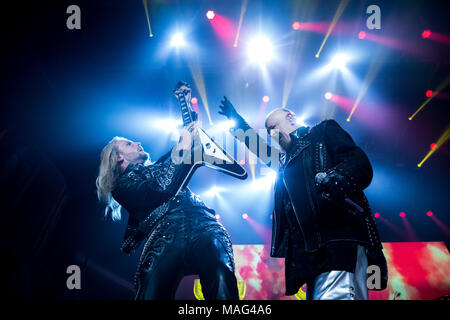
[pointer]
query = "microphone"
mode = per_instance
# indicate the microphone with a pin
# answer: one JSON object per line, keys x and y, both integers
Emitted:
{"x": 320, "y": 177}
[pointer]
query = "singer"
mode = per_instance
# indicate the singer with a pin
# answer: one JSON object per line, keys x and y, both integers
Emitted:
{"x": 322, "y": 221}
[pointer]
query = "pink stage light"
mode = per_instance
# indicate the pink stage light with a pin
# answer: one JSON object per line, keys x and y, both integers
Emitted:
{"x": 210, "y": 14}
{"x": 433, "y": 145}
{"x": 217, "y": 216}
{"x": 328, "y": 95}
{"x": 426, "y": 34}
{"x": 402, "y": 214}
{"x": 429, "y": 93}
{"x": 265, "y": 99}
{"x": 361, "y": 35}
{"x": 429, "y": 213}
{"x": 245, "y": 216}
{"x": 296, "y": 25}
{"x": 376, "y": 215}
{"x": 194, "y": 100}
{"x": 242, "y": 162}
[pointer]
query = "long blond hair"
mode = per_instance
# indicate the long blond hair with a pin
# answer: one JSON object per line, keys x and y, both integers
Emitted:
{"x": 109, "y": 171}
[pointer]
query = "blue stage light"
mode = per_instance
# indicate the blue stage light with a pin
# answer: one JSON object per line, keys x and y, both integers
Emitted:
{"x": 177, "y": 40}
{"x": 260, "y": 50}
{"x": 339, "y": 61}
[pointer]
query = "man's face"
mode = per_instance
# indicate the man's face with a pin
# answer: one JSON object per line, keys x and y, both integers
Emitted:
{"x": 132, "y": 151}
{"x": 279, "y": 124}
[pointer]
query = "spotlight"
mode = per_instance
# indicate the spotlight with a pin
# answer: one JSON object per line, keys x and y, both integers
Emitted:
{"x": 426, "y": 34}
{"x": 242, "y": 162}
{"x": 260, "y": 50}
{"x": 328, "y": 95}
{"x": 433, "y": 145}
{"x": 210, "y": 14}
{"x": 271, "y": 216}
{"x": 402, "y": 214}
{"x": 214, "y": 191}
{"x": 244, "y": 216}
{"x": 265, "y": 182}
{"x": 271, "y": 176}
{"x": 168, "y": 125}
{"x": 194, "y": 100}
{"x": 265, "y": 99}
{"x": 339, "y": 61}
{"x": 376, "y": 215}
{"x": 226, "y": 125}
{"x": 361, "y": 34}
{"x": 429, "y": 213}
{"x": 177, "y": 40}
{"x": 429, "y": 93}
{"x": 217, "y": 216}
{"x": 300, "y": 121}
{"x": 296, "y": 25}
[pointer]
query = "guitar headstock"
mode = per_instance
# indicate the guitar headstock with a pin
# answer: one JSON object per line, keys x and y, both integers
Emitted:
{"x": 182, "y": 89}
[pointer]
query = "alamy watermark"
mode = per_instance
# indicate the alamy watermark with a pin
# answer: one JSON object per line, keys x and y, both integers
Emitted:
{"x": 209, "y": 151}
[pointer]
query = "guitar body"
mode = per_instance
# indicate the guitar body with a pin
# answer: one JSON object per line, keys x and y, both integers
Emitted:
{"x": 206, "y": 151}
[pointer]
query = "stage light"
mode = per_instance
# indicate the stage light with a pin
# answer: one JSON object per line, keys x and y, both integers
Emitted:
{"x": 210, "y": 14}
{"x": 271, "y": 216}
{"x": 426, "y": 34}
{"x": 429, "y": 93}
{"x": 433, "y": 145}
{"x": 265, "y": 99}
{"x": 429, "y": 213}
{"x": 260, "y": 50}
{"x": 271, "y": 176}
{"x": 225, "y": 125}
{"x": 402, "y": 214}
{"x": 361, "y": 35}
{"x": 244, "y": 216}
{"x": 339, "y": 61}
{"x": 266, "y": 182}
{"x": 328, "y": 95}
{"x": 300, "y": 121}
{"x": 194, "y": 100}
{"x": 168, "y": 125}
{"x": 177, "y": 40}
{"x": 296, "y": 25}
{"x": 217, "y": 216}
{"x": 214, "y": 191}
{"x": 242, "y": 162}
{"x": 376, "y": 215}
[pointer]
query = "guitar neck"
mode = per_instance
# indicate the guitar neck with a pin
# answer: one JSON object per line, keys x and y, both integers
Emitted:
{"x": 186, "y": 110}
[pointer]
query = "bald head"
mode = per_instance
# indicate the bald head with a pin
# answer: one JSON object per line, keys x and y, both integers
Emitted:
{"x": 279, "y": 124}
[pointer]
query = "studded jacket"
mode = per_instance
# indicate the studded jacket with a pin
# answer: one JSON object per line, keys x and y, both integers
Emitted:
{"x": 321, "y": 148}
{"x": 148, "y": 194}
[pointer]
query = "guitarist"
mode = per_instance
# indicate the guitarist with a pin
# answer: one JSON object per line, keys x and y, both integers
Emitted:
{"x": 182, "y": 235}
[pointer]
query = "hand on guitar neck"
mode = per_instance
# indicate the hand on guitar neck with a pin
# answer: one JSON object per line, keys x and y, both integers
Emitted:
{"x": 183, "y": 88}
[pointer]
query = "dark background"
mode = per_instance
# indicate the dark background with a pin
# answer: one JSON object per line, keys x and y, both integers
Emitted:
{"x": 66, "y": 93}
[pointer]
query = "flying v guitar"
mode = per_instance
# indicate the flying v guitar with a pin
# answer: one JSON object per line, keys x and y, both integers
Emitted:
{"x": 212, "y": 155}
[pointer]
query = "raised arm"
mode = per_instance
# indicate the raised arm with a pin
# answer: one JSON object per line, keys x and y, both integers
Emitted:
{"x": 247, "y": 135}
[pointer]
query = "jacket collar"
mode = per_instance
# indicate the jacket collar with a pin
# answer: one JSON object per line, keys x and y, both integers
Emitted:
{"x": 297, "y": 137}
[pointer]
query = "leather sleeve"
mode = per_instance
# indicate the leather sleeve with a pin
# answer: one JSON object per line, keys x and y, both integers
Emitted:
{"x": 148, "y": 187}
{"x": 350, "y": 160}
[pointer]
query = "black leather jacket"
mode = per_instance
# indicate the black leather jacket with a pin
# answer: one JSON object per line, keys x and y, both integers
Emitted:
{"x": 321, "y": 221}
{"x": 148, "y": 194}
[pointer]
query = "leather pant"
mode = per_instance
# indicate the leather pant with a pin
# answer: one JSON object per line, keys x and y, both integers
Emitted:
{"x": 185, "y": 243}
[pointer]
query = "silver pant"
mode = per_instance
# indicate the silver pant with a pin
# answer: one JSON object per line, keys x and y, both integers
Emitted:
{"x": 341, "y": 285}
